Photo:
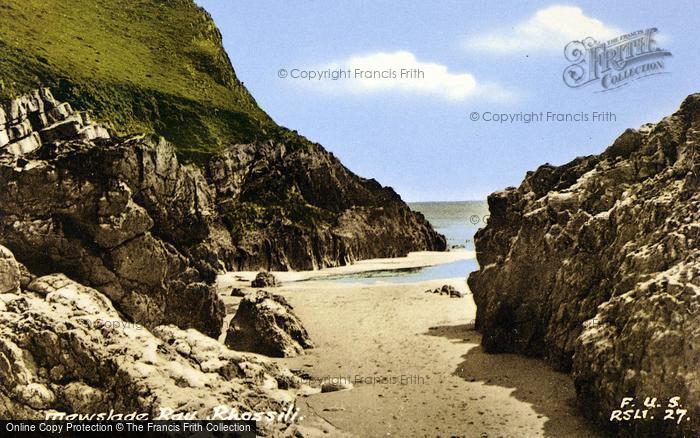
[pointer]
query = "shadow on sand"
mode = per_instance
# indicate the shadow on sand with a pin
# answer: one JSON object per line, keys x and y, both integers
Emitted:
{"x": 551, "y": 394}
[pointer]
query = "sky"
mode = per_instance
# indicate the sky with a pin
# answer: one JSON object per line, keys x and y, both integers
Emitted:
{"x": 474, "y": 57}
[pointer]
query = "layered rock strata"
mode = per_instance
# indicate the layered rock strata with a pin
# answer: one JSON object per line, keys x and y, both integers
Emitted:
{"x": 29, "y": 121}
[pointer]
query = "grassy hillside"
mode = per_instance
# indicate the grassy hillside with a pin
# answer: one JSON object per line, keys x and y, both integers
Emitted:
{"x": 158, "y": 67}
{"x": 154, "y": 66}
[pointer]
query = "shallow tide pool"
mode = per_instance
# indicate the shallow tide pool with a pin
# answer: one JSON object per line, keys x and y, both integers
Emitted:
{"x": 460, "y": 268}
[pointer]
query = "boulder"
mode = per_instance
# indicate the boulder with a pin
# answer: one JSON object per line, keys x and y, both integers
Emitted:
{"x": 10, "y": 273}
{"x": 65, "y": 348}
{"x": 454, "y": 293}
{"x": 237, "y": 292}
{"x": 595, "y": 266}
{"x": 265, "y": 323}
{"x": 265, "y": 279}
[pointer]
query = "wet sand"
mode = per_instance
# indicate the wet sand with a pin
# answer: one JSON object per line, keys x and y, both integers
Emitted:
{"x": 417, "y": 367}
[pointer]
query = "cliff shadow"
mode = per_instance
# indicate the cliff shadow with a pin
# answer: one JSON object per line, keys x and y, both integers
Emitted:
{"x": 550, "y": 393}
{"x": 461, "y": 332}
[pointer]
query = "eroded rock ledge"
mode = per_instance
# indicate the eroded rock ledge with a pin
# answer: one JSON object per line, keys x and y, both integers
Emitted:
{"x": 595, "y": 265}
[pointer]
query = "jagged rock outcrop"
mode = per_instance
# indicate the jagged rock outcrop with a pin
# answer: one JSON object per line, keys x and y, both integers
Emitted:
{"x": 29, "y": 121}
{"x": 595, "y": 265}
{"x": 64, "y": 348}
{"x": 295, "y": 206}
{"x": 117, "y": 214}
{"x": 265, "y": 323}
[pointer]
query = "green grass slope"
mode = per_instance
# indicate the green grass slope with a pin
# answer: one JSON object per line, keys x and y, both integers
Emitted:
{"x": 153, "y": 66}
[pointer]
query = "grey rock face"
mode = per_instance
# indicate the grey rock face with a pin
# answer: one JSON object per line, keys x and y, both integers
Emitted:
{"x": 64, "y": 347}
{"x": 120, "y": 215}
{"x": 265, "y": 323}
{"x": 300, "y": 208}
{"x": 595, "y": 265}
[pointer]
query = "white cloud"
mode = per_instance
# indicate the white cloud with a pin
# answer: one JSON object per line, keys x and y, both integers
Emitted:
{"x": 436, "y": 79}
{"x": 547, "y": 30}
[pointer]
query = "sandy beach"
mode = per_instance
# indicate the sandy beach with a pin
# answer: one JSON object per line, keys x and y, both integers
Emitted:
{"x": 416, "y": 259}
{"x": 415, "y": 362}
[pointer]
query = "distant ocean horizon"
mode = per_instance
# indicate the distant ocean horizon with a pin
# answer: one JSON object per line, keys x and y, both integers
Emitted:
{"x": 458, "y": 221}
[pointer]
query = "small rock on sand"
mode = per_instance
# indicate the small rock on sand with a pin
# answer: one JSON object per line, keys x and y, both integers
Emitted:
{"x": 237, "y": 292}
{"x": 265, "y": 279}
{"x": 335, "y": 386}
{"x": 447, "y": 290}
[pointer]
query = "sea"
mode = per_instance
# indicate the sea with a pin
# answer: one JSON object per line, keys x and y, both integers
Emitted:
{"x": 457, "y": 221}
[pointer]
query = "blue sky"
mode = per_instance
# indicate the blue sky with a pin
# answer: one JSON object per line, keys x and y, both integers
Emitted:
{"x": 477, "y": 56}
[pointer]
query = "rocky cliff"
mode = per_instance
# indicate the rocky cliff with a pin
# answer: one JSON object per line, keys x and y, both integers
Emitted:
{"x": 125, "y": 216}
{"x": 130, "y": 217}
{"x": 293, "y": 205}
{"x": 117, "y": 215}
{"x": 595, "y": 266}
{"x": 277, "y": 200}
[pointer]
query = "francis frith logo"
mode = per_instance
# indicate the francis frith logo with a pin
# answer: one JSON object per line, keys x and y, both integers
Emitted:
{"x": 614, "y": 63}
